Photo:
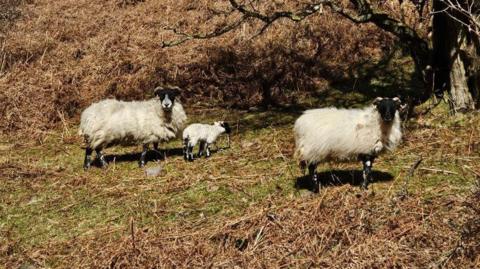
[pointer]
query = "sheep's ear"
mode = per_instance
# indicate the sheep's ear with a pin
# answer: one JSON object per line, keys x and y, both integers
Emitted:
{"x": 157, "y": 91}
{"x": 227, "y": 127}
{"x": 377, "y": 100}
{"x": 397, "y": 101}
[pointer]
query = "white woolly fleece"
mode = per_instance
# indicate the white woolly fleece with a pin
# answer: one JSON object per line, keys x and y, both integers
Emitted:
{"x": 111, "y": 122}
{"x": 198, "y": 132}
{"x": 331, "y": 133}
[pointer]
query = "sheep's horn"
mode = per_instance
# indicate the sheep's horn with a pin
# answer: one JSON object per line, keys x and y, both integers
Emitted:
{"x": 377, "y": 100}
{"x": 157, "y": 90}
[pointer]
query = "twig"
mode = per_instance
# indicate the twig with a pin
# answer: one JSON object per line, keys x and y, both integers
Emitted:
{"x": 404, "y": 191}
{"x": 257, "y": 238}
{"x": 471, "y": 170}
{"x": 439, "y": 170}
{"x": 414, "y": 166}
{"x": 133, "y": 233}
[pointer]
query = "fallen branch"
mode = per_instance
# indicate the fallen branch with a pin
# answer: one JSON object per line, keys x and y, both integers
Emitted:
{"x": 439, "y": 170}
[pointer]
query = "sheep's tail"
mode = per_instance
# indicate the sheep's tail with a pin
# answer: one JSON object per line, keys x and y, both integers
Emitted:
{"x": 298, "y": 155}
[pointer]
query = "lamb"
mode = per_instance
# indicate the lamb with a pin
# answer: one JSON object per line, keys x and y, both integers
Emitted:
{"x": 205, "y": 134}
{"x": 330, "y": 133}
{"x": 112, "y": 122}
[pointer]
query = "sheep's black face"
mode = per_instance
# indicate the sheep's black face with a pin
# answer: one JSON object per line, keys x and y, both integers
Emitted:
{"x": 387, "y": 107}
{"x": 225, "y": 125}
{"x": 167, "y": 97}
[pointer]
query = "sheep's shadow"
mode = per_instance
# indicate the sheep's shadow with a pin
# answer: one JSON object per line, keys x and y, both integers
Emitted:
{"x": 340, "y": 177}
{"x": 152, "y": 155}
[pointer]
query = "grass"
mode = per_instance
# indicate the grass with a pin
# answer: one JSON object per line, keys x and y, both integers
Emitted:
{"x": 48, "y": 201}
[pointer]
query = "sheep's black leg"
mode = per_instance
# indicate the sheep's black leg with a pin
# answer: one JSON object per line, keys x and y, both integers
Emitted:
{"x": 190, "y": 152}
{"x": 141, "y": 163}
{"x": 207, "y": 150}
{"x": 101, "y": 158}
{"x": 367, "y": 161}
{"x": 88, "y": 158}
{"x": 185, "y": 149}
{"x": 188, "y": 147}
{"x": 201, "y": 148}
{"x": 312, "y": 172}
{"x": 155, "y": 148}
{"x": 303, "y": 167}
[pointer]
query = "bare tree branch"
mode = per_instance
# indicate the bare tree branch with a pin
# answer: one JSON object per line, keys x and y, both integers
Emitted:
{"x": 362, "y": 13}
{"x": 268, "y": 20}
{"x": 186, "y": 37}
{"x": 466, "y": 12}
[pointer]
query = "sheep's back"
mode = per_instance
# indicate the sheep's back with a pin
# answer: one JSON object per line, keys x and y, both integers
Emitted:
{"x": 112, "y": 122}
{"x": 196, "y": 131}
{"x": 331, "y": 133}
{"x": 95, "y": 115}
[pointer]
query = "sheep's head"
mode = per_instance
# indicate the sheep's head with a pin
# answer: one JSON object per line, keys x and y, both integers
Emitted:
{"x": 167, "y": 96}
{"x": 387, "y": 107}
{"x": 225, "y": 125}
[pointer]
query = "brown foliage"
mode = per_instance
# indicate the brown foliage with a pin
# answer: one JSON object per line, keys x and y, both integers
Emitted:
{"x": 63, "y": 55}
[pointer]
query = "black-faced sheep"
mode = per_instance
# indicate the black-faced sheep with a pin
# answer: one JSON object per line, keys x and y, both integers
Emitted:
{"x": 205, "y": 134}
{"x": 332, "y": 133}
{"x": 112, "y": 122}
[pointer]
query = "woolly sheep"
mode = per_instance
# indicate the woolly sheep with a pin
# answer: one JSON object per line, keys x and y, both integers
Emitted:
{"x": 342, "y": 134}
{"x": 112, "y": 122}
{"x": 205, "y": 134}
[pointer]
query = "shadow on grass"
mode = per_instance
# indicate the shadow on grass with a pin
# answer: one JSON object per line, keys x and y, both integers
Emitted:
{"x": 340, "y": 177}
{"x": 152, "y": 155}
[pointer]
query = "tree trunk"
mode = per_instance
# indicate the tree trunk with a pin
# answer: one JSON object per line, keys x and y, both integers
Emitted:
{"x": 451, "y": 62}
{"x": 267, "y": 98}
{"x": 460, "y": 93}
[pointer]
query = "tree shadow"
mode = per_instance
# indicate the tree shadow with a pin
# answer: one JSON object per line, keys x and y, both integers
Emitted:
{"x": 286, "y": 77}
{"x": 340, "y": 177}
{"x": 389, "y": 77}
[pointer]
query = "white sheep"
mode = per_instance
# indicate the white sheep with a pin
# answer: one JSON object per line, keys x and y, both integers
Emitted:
{"x": 342, "y": 134}
{"x": 112, "y": 122}
{"x": 205, "y": 134}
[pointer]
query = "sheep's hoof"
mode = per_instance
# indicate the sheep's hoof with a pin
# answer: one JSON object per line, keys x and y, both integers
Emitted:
{"x": 141, "y": 164}
{"x": 86, "y": 167}
{"x": 364, "y": 187}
